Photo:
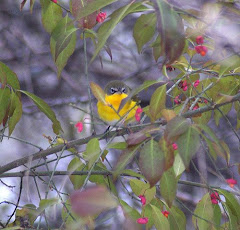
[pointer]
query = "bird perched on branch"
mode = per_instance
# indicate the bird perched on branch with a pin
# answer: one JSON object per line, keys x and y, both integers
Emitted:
{"x": 118, "y": 104}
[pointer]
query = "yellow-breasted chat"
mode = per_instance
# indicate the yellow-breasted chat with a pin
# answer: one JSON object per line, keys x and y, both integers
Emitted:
{"x": 115, "y": 92}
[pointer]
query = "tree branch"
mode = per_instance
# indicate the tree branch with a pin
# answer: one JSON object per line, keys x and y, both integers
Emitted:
{"x": 103, "y": 173}
{"x": 119, "y": 132}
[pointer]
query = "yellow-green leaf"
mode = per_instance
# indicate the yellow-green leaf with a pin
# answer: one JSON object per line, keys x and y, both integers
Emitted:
{"x": 92, "y": 152}
{"x": 175, "y": 127}
{"x": 45, "y": 108}
{"x": 188, "y": 144}
{"x": 76, "y": 165}
{"x": 4, "y": 102}
{"x": 107, "y": 27}
{"x": 204, "y": 210}
{"x": 160, "y": 221}
{"x": 98, "y": 92}
{"x": 157, "y": 102}
{"x": 62, "y": 42}
{"x": 9, "y": 76}
{"x": 16, "y": 107}
{"x": 144, "y": 29}
{"x": 152, "y": 162}
{"x": 124, "y": 159}
{"x": 177, "y": 219}
{"x": 168, "y": 186}
{"x": 51, "y": 15}
{"x": 45, "y": 203}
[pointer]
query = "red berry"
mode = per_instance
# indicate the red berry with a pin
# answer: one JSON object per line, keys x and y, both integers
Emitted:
{"x": 101, "y": 17}
{"x": 196, "y": 83}
{"x": 143, "y": 220}
{"x": 202, "y": 50}
{"x": 199, "y": 40}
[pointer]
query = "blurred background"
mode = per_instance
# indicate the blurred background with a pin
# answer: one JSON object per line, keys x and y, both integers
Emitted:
{"x": 24, "y": 47}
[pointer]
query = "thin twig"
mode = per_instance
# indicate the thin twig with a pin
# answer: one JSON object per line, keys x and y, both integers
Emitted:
{"x": 19, "y": 197}
{"x": 88, "y": 82}
{"x": 20, "y": 140}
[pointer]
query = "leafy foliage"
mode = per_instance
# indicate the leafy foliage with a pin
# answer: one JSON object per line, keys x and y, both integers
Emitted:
{"x": 153, "y": 156}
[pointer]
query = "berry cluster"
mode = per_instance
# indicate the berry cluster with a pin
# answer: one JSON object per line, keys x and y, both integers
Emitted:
{"x": 200, "y": 49}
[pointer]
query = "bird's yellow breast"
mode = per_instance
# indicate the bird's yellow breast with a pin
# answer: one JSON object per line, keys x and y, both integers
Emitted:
{"x": 106, "y": 113}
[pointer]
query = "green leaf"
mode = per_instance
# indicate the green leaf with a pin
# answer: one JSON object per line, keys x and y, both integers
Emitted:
{"x": 171, "y": 30}
{"x": 63, "y": 39}
{"x": 98, "y": 92}
{"x": 216, "y": 147}
{"x": 10, "y": 76}
{"x": 44, "y": 107}
{"x": 107, "y": 27}
{"x": 92, "y": 152}
{"x": 188, "y": 144}
{"x": 146, "y": 84}
{"x": 144, "y": 29}
{"x": 141, "y": 188}
{"x": 168, "y": 186}
{"x": 128, "y": 210}
{"x": 204, "y": 210}
{"x": 45, "y": 203}
{"x": 218, "y": 115}
{"x": 217, "y": 215}
{"x": 231, "y": 202}
{"x": 157, "y": 102}
{"x": 152, "y": 162}
{"x": 117, "y": 145}
{"x": 237, "y": 108}
{"x": 4, "y": 102}
{"x": 160, "y": 221}
{"x": 138, "y": 186}
{"x": 89, "y": 8}
{"x": 175, "y": 127}
{"x": 178, "y": 165}
{"x": 177, "y": 219}
{"x": 124, "y": 159}
{"x": 147, "y": 211}
{"x": 228, "y": 64}
{"x": 76, "y": 165}
{"x": 232, "y": 224}
{"x": 132, "y": 173}
{"x": 204, "y": 118}
{"x": 156, "y": 46}
{"x": 211, "y": 147}
{"x": 28, "y": 211}
{"x": 62, "y": 42}
{"x": 16, "y": 107}
{"x": 51, "y": 15}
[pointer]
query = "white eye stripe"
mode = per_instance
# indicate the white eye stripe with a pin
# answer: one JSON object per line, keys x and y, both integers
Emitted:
{"x": 114, "y": 90}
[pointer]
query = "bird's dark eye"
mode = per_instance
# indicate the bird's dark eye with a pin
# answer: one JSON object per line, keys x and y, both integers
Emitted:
{"x": 113, "y": 90}
{"x": 123, "y": 90}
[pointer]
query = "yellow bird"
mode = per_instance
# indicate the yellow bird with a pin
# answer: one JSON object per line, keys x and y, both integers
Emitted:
{"x": 115, "y": 92}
